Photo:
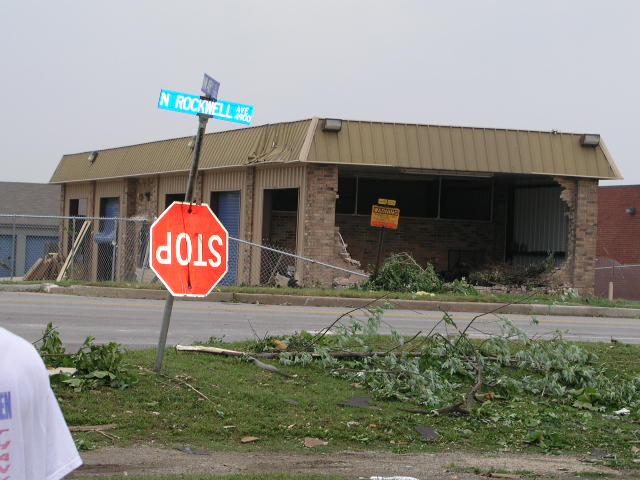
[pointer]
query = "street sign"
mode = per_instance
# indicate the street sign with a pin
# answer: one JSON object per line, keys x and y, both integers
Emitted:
{"x": 384, "y": 216}
{"x": 189, "y": 249}
{"x": 193, "y": 104}
{"x": 210, "y": 87}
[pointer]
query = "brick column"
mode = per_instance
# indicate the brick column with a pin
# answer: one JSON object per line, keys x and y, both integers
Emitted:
{"x": 581, "y": 196}
{"x": 319, "y": 223}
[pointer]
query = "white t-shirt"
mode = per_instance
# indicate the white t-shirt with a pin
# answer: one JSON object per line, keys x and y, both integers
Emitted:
{"x": 35, "y": 443}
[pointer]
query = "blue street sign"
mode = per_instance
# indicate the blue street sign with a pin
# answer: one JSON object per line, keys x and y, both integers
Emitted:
{"x": 210, "y": 87}
{"x": 223, "y": 110}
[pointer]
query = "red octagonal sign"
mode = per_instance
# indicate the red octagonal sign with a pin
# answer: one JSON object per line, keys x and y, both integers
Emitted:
{"x": 189, "y": 249}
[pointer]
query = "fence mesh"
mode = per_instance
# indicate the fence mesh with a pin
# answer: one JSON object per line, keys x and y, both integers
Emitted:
{"x": 117, "y": 250}
{"x": 624, "y": 280}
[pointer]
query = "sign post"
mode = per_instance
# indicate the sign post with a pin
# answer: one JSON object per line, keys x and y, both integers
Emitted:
{"x": 384, "y": 215}
{"x": 190, "y": 251}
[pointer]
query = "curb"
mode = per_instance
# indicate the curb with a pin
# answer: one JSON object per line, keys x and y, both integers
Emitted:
{"x": 339, "y": 302}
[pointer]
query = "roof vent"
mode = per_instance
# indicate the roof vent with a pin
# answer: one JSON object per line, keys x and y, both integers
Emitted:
{"x": 590, "y": 140}
{"x": 331, "y": 125}
{"x": 92, "y": 157}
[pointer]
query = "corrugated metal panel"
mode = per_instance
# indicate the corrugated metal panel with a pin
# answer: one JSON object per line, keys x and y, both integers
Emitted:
{"x": 539, "y": 220}
{"x": 279, "y": 142}
{"x": 283, "y": 177}
{"x": 229, "y": 214}
{"x": 222, "y": 180}
{"x": 461, "y": 149}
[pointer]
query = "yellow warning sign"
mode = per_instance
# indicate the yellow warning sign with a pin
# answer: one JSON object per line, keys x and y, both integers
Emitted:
{"x": 384, "y": 216}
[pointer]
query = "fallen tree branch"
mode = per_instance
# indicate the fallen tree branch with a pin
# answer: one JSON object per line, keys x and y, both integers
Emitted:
{"x": 234, "y": 353}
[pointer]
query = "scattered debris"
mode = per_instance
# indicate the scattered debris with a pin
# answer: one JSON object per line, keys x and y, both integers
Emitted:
{"x": 392, "y": 478}
{"x": 229, "y": 427}
{"x": 503, "y": 475}
{"x": 352, "y": 424}
{"x": 310, "y": 442}
{"x": 45, "y": 268}
{"x": 193, "y": 451}
{"x": 622, "y": 411}
{"x": 270, "y": 368}
{"x": 61, "y": 370}
{"x": 249, "y": 439}
{"x": 429, "y": 433}
{"x": 359, "y": 401}
{"x": 290, "y": 401}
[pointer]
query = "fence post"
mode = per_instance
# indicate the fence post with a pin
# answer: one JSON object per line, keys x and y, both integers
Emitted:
{"x": 14, "y": 247}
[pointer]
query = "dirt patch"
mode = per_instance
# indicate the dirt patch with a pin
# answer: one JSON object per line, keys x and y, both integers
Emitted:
{"x": 160, "y": 461}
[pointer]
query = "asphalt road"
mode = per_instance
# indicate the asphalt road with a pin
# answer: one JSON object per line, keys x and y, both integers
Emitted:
{"x": 136, "y": 323}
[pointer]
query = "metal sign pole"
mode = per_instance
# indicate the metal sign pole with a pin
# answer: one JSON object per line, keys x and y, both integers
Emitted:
{"x": 188, "y": 197}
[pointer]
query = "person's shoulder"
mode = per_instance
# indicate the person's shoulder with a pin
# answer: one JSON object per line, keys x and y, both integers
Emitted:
{"x": 17, "y": 347}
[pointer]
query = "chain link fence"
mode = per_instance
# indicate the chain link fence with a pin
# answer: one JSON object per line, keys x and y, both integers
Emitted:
{"x": 617, "y": 280}
{"x": 93, "y": 249}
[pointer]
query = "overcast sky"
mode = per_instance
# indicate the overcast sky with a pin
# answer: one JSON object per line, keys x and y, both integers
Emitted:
{"x": 86, "y": 75}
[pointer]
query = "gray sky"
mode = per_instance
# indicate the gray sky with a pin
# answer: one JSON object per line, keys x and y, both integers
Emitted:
{"x": 86, "y": 75}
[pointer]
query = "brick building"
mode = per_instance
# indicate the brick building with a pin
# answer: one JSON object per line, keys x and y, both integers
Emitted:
{"x": 618, "y": 246}
{"x": 466, "y": 195}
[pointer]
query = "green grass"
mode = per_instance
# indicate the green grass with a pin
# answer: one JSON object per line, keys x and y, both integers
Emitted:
{"x": 164, "y": 412}
{"x": 242, "y": 476}
{"x": 357, "y": 293}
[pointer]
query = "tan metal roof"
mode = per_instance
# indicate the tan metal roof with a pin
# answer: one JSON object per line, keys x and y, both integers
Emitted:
{"x": 280, "y": 142}
{"x": 424, "y": 147}
{"x": 461, "y": 149}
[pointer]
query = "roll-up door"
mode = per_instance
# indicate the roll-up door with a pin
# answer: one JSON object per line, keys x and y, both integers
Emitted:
{"x": 227, "y": 209}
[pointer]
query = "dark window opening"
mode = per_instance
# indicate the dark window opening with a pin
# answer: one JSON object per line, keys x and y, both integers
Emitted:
{"x": 284, "y": 199}
{"x": 78, "y": 207}
{"x": 169, "y": 198}
{"x": 466, "y": 199}
{"x": 414, "y": 198}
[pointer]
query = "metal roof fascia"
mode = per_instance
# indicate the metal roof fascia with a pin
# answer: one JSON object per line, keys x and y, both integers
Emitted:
{"x": 308, "y": 140}
{"x": 612, "y": 162}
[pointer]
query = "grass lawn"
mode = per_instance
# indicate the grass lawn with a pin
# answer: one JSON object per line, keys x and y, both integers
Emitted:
{"x": 243, "y": 400}
{"x": 358, "y": 293}
{"x": 243, "y": 476}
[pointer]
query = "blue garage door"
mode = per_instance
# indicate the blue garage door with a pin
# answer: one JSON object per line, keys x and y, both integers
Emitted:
{"x": 38, "y": 247}
{"x": 6, "y": 255}
{"x": 228, "y": 212}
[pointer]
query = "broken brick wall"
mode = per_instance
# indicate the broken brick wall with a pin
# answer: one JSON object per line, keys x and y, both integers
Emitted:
{"x": 581, "y": 197}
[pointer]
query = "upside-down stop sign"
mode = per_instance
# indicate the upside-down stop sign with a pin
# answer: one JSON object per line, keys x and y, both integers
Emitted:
{"x": 188, "y": 249}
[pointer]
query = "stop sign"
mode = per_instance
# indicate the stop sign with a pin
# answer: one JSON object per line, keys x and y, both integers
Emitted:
{"x": 188, "y": 249}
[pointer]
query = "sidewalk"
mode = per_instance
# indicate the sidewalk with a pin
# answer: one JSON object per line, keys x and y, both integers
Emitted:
{"x": 339, "y": 302}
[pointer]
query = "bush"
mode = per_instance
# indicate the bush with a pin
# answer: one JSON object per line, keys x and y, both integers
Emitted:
{"x": 401, "y": 273}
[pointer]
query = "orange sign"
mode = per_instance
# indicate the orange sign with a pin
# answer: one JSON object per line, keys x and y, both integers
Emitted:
{"x": 384, "y": 216}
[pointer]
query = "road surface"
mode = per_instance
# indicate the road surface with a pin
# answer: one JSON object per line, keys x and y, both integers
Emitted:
{"x": 136, "y": 323}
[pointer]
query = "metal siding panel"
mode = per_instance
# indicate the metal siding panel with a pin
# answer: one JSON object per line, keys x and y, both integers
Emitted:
{"x": 219, "y": 181}
{"x": 355, "y": 154}
{"x": 491, "y": 145}
{"x": 547, "y": 153}
{"x": 567, "y": 143}
{"x": 446, "y": 148}
{"x": 502, "y": 151}
{"x": 515, "y": 161}
{"x": 377, "y": 142}
{"x": 432, "y": 149}
{"x": 535, "y": 153}
{"x": 458, "y": 158}
{"x": 413, "y": 148}
{"x": 367, "y": 143}
{"x": 390, "y": 151}
{"x": 471, "y": 158}
{"x": 480, "y": 147}
{"x": 539, "y": 219}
